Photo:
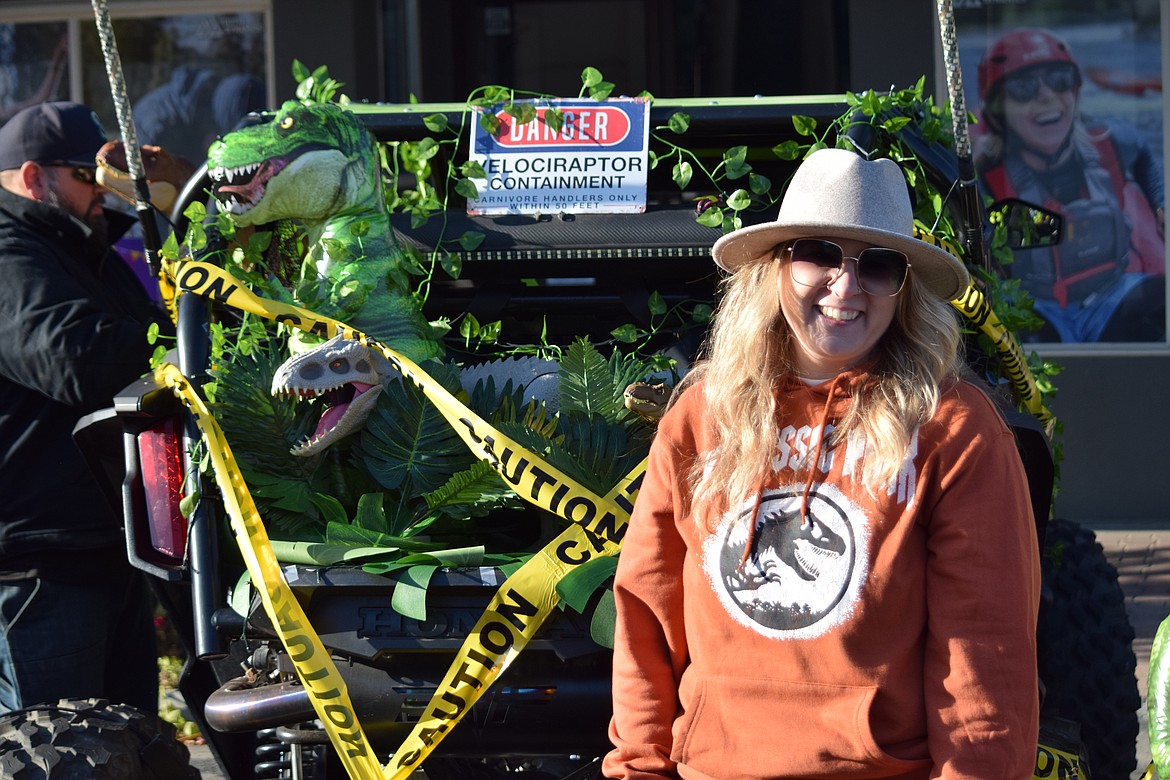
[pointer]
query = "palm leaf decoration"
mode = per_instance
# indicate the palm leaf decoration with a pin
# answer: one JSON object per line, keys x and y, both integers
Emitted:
{"x": 292, "y": 508}
{"x": 594, "y": 385}
{"x": 351, "y": 535}
{"x": 598, "y": 439}
{"x": 407, "y": 444}
{"x": 508, "y": 404}
{"x": 595, "y": 452}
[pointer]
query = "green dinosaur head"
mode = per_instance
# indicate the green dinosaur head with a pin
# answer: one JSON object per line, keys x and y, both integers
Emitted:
{"x": 311, "y": 162}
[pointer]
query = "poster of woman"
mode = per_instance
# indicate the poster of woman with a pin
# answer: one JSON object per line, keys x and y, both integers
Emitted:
{"x": 1070, "y": 117}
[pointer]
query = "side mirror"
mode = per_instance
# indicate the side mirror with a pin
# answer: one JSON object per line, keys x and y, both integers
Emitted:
{"x": 1026, "y": 225}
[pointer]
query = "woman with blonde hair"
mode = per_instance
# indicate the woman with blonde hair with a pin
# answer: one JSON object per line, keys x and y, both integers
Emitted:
{"x": 831, "y": 569}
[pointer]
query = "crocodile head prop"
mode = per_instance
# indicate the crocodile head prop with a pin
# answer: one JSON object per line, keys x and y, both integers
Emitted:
{"x": 648, "y": 401}
{"x": 310, "y": 163}
{"x": 165, "y": 173}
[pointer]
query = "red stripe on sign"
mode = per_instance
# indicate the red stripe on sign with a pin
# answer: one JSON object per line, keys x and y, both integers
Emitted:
{"x": 591, "y": 127}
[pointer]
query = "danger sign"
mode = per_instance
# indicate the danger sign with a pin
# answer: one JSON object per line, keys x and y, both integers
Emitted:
{"x": 595, "y": 161}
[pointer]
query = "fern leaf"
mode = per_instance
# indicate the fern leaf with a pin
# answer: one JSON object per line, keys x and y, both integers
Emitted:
{"x": 587, "y": 383}
{"x": 476, "y": 491}
{"x": 260, "y": 427}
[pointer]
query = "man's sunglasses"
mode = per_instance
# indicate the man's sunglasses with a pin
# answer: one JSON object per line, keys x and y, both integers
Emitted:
{"x": 81, "y": 174}
{"x": 1025, "y": 86}
{"x": 85, "y": 175}
{"x": 818, "y": 263}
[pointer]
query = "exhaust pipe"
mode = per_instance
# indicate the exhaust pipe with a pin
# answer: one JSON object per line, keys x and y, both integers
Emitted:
{"x": 524, "y": 716}
{"x": 240, "y": 706}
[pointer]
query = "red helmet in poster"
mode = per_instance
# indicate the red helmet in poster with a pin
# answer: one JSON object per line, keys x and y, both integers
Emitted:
{"x": 1021, "y": 49}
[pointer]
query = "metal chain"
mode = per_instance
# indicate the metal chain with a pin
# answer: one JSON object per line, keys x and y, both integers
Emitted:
{"x": 946, "y": 23}
{"x": 134, "y": 166}
{"x": 105, "y": 29}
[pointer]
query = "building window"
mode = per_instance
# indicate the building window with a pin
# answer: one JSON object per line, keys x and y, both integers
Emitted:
{"x": 190, "y": 75}
{"x": 34, "y": 59}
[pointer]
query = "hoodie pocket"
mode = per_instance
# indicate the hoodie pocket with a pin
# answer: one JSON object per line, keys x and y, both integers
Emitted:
{"x": 743, "y": 728}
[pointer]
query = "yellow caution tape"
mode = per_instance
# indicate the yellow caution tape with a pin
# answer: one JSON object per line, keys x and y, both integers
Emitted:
{"x": 974, "y": 306}
{"x": 505, "y": 627}
{"x": 327, "y": 689}
{"x": 1054, "y": 764}
{"x": 168, "y": 293}
{"x": 597, "y": 526}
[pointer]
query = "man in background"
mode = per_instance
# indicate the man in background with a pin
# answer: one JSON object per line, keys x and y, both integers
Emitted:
{"x": 75, "y": 618}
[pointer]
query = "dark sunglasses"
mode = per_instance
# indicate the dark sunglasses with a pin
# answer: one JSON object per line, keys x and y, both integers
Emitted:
{"x": 85, "y": 175}
{"x": 818, "y": 263}
{"x": 1025, "y": 86}
{"x": 81, "y": 174}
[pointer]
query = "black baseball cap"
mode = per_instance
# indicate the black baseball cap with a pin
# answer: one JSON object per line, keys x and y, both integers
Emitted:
{"x": 55, "y": 133}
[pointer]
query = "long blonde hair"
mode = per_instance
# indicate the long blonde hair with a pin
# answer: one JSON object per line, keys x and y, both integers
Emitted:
{"x": 748, "y": 351}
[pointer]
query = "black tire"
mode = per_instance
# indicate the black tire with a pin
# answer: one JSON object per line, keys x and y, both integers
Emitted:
{"x": 90, "y": 739}
{"x": 1087, "y": 663}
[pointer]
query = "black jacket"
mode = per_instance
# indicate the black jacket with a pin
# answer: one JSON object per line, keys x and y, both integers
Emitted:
{"x": 73, "y": 321}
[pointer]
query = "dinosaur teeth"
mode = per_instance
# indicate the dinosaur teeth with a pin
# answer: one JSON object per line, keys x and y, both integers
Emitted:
{"x": 299, "y": 392}
{"x": 222, "y": 173}
{"x": 304, "y": 444}
{"x": 303, "y": 393}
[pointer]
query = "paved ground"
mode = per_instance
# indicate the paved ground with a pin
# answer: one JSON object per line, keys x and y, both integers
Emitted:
{"x": 202, "y": 760}
{"x": 1141, "y": 553}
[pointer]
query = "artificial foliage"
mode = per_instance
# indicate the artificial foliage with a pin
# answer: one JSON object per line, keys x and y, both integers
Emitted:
{"x": 406, "y": 493}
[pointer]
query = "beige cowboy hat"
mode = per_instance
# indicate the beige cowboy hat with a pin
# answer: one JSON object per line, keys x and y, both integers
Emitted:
{"x": 837, "y": 193}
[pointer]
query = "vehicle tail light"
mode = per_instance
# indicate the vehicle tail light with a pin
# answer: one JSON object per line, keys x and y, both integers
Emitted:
{"x": 160, "y": 450}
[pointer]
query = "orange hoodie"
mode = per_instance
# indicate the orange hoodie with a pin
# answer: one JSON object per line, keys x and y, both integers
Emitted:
{"x": 892, "y": 634}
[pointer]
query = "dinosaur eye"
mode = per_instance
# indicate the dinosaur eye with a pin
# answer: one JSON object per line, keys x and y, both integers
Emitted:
{"x": 339, "y": 366}
{"x": 287, "y": 123}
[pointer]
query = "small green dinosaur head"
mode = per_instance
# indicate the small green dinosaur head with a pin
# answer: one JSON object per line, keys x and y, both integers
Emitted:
{"x": 323, "y": 148}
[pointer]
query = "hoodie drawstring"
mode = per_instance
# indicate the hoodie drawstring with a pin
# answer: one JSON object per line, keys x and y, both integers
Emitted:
{"x": 805, "y": 519}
